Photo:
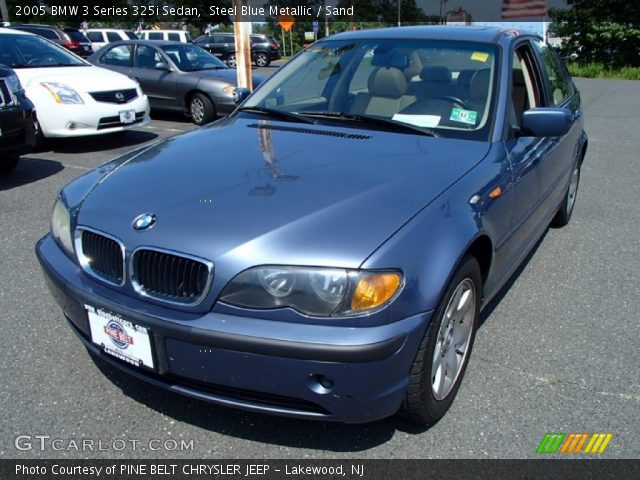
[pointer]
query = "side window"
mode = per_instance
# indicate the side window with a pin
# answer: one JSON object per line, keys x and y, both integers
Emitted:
{"x": 174, "y": 37}
{"x": 119, "y": 56}
{"x": 113, "y": 37}
{"x": 525, "y": 90}
{"x": 559, "y": 84}
{"x": 95, "y": 36}
{"x": 155, "y": 36}
{"x": 147, "y": 57}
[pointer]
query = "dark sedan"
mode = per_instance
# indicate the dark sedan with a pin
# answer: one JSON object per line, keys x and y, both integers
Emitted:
{"x": 17, "y": 131}
{"x": 325, "y": 251}
{"x": 175, "y": 76}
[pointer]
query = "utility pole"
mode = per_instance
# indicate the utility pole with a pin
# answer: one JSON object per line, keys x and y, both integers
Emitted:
{"x": 399, "y": 22}
{"x": 4, "y": 11}
{"x": 326, "y": 20}
{"x": 243, "y": 45}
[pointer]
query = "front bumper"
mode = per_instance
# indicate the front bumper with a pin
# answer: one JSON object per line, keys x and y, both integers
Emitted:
{"x": 91, "y": 118}
{"x": 17, "y": 133}
{"x": 215, "y": 357}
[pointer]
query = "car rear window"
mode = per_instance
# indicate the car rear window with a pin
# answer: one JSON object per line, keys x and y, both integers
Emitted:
{"x": 76, "y": 36}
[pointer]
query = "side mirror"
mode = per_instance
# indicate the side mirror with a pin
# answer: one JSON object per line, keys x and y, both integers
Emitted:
{"x": 546, "y": 122}
{"x": 240, "y": 94}
{"x": 162, "y": 66}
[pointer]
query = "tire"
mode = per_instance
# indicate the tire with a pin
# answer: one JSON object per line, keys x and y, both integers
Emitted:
{"x": 449, "y": 338}
{"x": 262, "y": 59}
{"x": 231, "y": 60}
{"x": 569, "y": 199}
{"x": 40, "y": 139}
{"x": 201, "y": 109}
{"x": 7, "y": 165}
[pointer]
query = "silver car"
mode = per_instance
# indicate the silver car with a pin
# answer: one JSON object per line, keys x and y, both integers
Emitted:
{"x": 175, "y": 76}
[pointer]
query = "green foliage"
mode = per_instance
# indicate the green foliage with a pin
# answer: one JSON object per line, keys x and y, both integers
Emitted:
{"x": 599, "y": 31}
{"x": 598, "y": 70}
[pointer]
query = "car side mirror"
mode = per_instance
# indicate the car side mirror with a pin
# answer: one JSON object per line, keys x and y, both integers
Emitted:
{"x": 546, "y": 122}
{"x": 240, "y": 94}
{"x": 162, "y": 66}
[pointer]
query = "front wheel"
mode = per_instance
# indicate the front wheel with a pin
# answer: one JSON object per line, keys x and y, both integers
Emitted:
{"x": 443, "y": 355}
{"x": 201, "y": 109}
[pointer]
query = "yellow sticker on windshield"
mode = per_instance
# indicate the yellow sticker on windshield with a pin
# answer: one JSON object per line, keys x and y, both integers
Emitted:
{"x": 480, "y": 56}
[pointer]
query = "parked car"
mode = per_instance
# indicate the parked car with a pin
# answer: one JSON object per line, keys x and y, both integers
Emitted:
{"x": 16, "y": 120}
{"x": 325, "y": 251}
{"x": 72, "y": 97}
{"x": 99, "y": 37}
{"x": 70, "y": 38}
{"x": 166, "y": 35}
{"x": 264, "y": 48}
{"x": 175, "y": 76}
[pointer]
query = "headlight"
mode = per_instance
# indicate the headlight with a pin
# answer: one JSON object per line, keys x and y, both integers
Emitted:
{"x": 14, "y": 82}
{"x": 61, "y": 225}
{"x": 62, "y": 93}
{"x": 312, "y": 291}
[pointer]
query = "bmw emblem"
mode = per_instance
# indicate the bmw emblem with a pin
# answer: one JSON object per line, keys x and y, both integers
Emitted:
{"x": 144, "y": 221}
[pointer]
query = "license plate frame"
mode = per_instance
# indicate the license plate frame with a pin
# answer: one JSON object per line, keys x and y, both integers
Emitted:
{"x": 127, "y": 117}
{"x": 121, "y": 338}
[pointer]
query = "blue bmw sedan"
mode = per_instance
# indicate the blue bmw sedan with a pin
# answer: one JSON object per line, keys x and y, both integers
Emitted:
{"x": 326, "y": 250}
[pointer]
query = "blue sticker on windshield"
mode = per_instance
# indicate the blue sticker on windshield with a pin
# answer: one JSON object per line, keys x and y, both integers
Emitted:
{"x": 464, "y": 116}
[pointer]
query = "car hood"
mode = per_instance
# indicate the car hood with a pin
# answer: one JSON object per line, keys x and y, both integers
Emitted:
{"x": 81, "y": 79}
{"x": 246, "y": 192}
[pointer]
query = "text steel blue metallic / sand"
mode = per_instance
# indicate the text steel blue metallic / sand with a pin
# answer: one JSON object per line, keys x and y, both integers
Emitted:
{"x": 325, "y": 251}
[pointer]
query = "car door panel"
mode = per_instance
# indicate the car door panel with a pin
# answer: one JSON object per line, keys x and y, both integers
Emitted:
{"x": 158, "y": 85}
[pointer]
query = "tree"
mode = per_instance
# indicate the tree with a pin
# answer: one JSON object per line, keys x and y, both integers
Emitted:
{"x": 602, "y": 31}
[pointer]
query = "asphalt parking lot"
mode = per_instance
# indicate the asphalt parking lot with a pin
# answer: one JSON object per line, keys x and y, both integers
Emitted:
{"x": 558, "y": 351}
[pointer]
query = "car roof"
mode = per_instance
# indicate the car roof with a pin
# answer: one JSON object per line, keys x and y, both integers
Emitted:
{"x": 483, "y": 34}
{"x": 164, "y": 31}
{"x": 152, "y": 43}
{"x": 15, "y": 32}
{"x": 108, "y": 30}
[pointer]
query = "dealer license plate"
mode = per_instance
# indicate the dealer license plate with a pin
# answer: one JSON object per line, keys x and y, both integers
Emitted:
{"x": 127, "y": 116}
{"x": 119, "y": 337}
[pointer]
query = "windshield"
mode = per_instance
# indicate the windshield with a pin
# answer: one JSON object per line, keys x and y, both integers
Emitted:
{"x": 441, "y": 86}
{"x": 190, "y": 58}
{"x": 31, "y": 51}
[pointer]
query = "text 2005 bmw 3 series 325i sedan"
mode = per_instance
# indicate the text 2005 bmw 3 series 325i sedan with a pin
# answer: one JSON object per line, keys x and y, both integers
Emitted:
{"x": 325, "y": 251}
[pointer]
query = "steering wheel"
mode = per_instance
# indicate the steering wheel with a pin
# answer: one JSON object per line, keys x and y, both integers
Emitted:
{"x": 44, "y": 60}
{"x": 456, "y": 100}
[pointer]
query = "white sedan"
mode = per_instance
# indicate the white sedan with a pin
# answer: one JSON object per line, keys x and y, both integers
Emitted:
{"x": 72, "y": 97}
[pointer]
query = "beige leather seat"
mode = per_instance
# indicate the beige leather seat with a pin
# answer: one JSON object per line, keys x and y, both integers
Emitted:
{"x": 387, "y": 94}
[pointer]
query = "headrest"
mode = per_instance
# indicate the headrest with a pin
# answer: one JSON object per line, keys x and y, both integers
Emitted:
{"x": 464, "y": 79}
{"x": 387, "y": 82}
{"x": 435, "y": 75}
{"x": 480, "y": 84}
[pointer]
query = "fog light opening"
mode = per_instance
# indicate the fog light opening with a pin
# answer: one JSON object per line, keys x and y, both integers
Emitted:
{"x": 320, "y": 384}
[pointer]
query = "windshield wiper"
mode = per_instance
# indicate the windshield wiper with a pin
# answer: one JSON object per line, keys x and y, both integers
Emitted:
{"x": 274, "y": 112}
{"x": 387, "y": 123}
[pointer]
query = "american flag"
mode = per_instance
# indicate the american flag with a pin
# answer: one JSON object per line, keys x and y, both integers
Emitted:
{"x": 523, "y": 8}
